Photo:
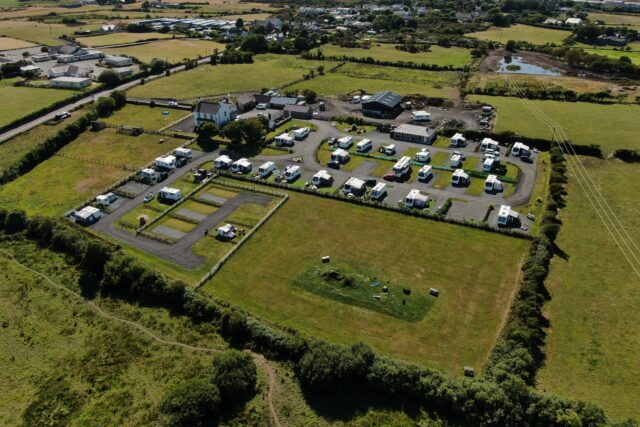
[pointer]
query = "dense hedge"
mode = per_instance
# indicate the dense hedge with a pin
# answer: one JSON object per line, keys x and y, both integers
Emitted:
{"x": 322, "y": 367}
{"x": 373, "y": 61}
{"x": 626, "y": 155}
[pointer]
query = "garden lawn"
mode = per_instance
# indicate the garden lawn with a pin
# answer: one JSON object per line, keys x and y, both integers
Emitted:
{"x": 26, "y": 100}
{"x": 266, "y": 71}
{"x": 122, "y": 38}
{"x": 146, "y": 117}
{"x": 520, "y": 32}
{"x": 593, "y": 345}
{"x": 65, "y": 180}
{"x": 454, "y": 56}
{"x": 173, "y": 51}
{"x": 8, "y": 43}
{"x": 371, "y": 78}
{"x": 610, "y": 126}
{"x": 460, "y": 327}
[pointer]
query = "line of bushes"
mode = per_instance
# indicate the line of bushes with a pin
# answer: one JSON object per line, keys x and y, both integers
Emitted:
{"x": 555, "y": 93}
{"x": 329, "y": 370}
{"x": 626, "y": 155}
{"x": 519, "y": 351}
{"x": 373, "y": 61}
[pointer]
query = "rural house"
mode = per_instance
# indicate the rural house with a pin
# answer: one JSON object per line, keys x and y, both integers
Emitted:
{"x": 219, "y": 113}
{"x": 303, "y": 112}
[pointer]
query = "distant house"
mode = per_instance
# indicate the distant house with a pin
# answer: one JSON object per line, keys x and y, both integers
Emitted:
{"x": 299, "y": 111}
{"x": 573, "y": 21}
{"x": 413, "y": 133}
{"x": 70, "y": 82}
{"x": 553, "y": 21}
{"x": 382, "y": 104}
{"x": 219, "y": 113}
{"x": 280, "y": 102}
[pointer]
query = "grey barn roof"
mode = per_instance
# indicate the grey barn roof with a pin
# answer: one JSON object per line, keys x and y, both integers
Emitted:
{"x": 387, "y": 98}
{"x": 206, "y": 107}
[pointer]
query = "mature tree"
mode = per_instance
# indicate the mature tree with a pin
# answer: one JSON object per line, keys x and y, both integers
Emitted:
{"x": 234, "y": 131}
{"x": 310, "y": 95}
{"x": 105, "y": 106}
{"x": 255, "y": 43}
{"x": 119, "y": 98}
{"x": 207, "y": 129}
{"x": 239, "y": 24}
{"x": 158, "y": 66}
{"x": 253, "y": 131}
{"x": 109, "y": 78}
{"x": 193, "y": 403}
{"x": 511, "y": 46}
{"x": 235, "y": 375}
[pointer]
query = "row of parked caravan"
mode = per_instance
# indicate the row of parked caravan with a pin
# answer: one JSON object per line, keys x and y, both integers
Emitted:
{"x": 287, "y": 139}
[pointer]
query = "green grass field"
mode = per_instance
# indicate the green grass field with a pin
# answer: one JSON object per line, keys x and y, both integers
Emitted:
{"x": 610, "y": 126}
{"x": 145, "y": 117}
{"x": 65, "y": 180}
{"x": 441, "y": 56}
{"x": 520, "y": 32}
{"x": 26, "y": 100}
{"x": 121, "y": 38}
{"x": 267, "y": 71}
{"x": 593, "y": 346}
{"x": 8, "y": 43}
{"x": 373, "y": 78}
{"x": 459, "y": 329}
{"x": 38, "y": 32}
{"x": 173, "y": 50}
{"x": 610, "y": 52}
{"x": 615, "y": 19}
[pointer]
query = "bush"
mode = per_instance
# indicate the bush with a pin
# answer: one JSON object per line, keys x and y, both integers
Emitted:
{"x": 235, "y": 375}
{"x": 193, "y": 403}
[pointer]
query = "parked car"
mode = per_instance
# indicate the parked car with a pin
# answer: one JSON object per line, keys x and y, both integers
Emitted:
{"x": 149, "y": 197}
{"x": 370, "y": 182}
{"x": 181, "y": 161}
{"x": 173, "y": 104}
{"x": 162, "y": 176}
{"x": 261, "y": 106}
{"x": 389, "y": 177}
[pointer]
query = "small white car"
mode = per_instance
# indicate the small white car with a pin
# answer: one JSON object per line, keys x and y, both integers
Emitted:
{"x": 261, "y": 106}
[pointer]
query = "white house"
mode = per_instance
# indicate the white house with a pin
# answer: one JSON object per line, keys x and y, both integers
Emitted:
{"x": 168, "y": 162}
{"x": 422, "y": 156}
{"x": 291, "y": 173}
{"x": 415, "y": 199}
{"x": 425, "y": 172}
{"x": 183, "y": 153}
{"x": 420, "y": 116}
{"x": 226, "y": 232}
{"x": 241, "y": 166}
{"x": 458, "y": 140}
{"x": 402, "y": 166}
{"x": 322, "y": 178}
{"x": 492, "y": 184}
{"x": 219, "y": 113}
{"x": 284, "y": 140}
{"x": 168, "y": 193}
{"x": 87, "y": 215}
{"x": 489, "y": 144}
{"x": 301, "y": 133}
{"x": 70, "y": 82}
{"x": 460, "y": 177}
{"x": 222, "y": 162}
{"x": 519, "y": 149}
{"x": 507, "y": 216}
{"x": 354, "y": 186}
{"x": 339, "y": 155}
{"x": 345, "y": 142}
{"x": 266, "y": 169}
{"x": 379, "y": 191}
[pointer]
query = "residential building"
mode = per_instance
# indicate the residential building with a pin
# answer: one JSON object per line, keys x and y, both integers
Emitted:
{"x": 219, "y": 113}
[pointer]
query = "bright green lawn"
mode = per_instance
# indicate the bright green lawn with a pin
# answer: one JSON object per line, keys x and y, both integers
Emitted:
{"x": 609, "y": 52}
{"x": 459, "y": 329}
{"x": 146, "y": 117}
{"x": 373, "y": 78}
{"x": 593, "y": 346}
{"x": 441, "y": 56}
{"x": 520, "y": 32}
{"x": 610, "y": 126}
{"x": 266, "y": 71}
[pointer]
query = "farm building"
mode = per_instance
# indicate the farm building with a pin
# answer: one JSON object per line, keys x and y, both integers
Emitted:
{"x": 87, "y": 215}
{"x": 460, "y": 177}
{"x": 507, "y": 216}
{"x": 415, "y": 199}
{"x": 222, "y": 162}
{"x": 70, "y": 82}
{"x": 118, "y": 61}
{"x": 322, "y": 178}
{"x": 382, "y": 104}
{"x": 354, "y": 186}
{"x": 219, "y": 113}
{"x": 339, "y": 155}
{"x": 303, "y": 112}
{"x": 492, "y": 184}
{"x": 413, "y": 133}
{"x": 245, "y": 102}
{"x": 276, "y": 102}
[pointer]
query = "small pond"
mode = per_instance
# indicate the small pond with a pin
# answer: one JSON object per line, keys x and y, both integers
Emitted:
{"x": 515, "y": 65}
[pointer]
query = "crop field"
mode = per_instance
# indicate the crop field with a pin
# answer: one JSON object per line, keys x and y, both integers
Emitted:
{"x": 453, "y": 56}
{"x": 371, "y": 78}
{"x": 81, "y": 170}
{"x": 146, "y": 117}
{"x": 459, "y": 328}
{"x": 610, "y": 126}
{"x": 520, "y": 32}
{"x": 26, "y": 100}
{"x": 173, "y": 51}
{"x": 266, "y": 71}
{"x": 38, "y": 32}
{"x": 121, "y": 38}
{"x": 8, "y": 43}
{"x": 593, "y": 344}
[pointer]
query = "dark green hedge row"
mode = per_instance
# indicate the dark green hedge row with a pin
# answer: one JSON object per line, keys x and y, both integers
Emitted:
{"x": 324, "y": 368}
{"x": 629, "y": 156}
{"x": 370, "y": 60}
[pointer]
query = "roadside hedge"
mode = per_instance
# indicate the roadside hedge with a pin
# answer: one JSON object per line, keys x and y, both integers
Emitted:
{"x": 626, "y": 155}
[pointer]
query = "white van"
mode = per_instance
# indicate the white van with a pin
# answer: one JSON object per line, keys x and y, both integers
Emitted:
{"x": 420, "y": 116}
{"x": 168, "y": 193}
{"x": 356, "y": 99}
{"x": 423, "y": 156}
{"x": 388, "y": 150}
{"x": 183, "y": 153}
{"x": 292, "y": 172}
{"x": 168, "y": 162}
{"x": 425, "y": 172}
{"x": 301, "y": 133}
{"x": 266, "y": 169}
{"x": 364, "y": 145}
{"x": 489, "y": 144}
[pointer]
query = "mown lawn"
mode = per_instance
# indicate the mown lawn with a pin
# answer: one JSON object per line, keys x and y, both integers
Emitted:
{"x": 371, "y": 78}
{"x": 610, "y": 52}
{"x": 146, "y": 117}
{"x": 267, "y": 71}
{"x": 122, "y": 38}
{"x": 459, "y": 329}
{"x": 173, "y": 51}
{"x": 610, "y": 126}
{"x": 39, "y": 32}
{"x": 83, "y": 169}
{"x": 441, "y": 56}
{"x": 520, "y": 32}
{"x": 593, "y": 343}
{"x": 615, "y": 19}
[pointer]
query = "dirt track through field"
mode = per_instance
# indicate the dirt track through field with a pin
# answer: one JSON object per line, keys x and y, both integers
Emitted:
{"x": 258, "y": 359}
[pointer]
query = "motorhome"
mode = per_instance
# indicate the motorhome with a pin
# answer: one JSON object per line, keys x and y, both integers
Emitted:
{"x": 87, "y": 215}
{"x": 379, "y": 191}
{"x": 492, "y": 184}
{"x": 340, "y": 156}
{"x": 301, "y": 133}
{"x": 345, "y": 142}
{"x": 388, "y": 149}
{"x": 460, "y": 178}
{"x": 226, "y": 232}
{"x": 284, "y": 140}
{"x": 415, "y": 199}
{"x": 507, "y": 216}
{"x": 291, "y": 173}
{"x": 458, "y": 140}
{"x": 489, "y": 163}
{"x": 364, "y": 145}
{"x": 266, "y": 169}
{"x": 422, "y": 156}
{"x": 223, "y": 162}
{"x": 456, "y": 161}
{"x": 171, "y": 194}
{"x": 354, "y": 186}
{"x": 489, "y": 144}
{"x": 519, "y": 149}
{"x": 356, "y": 99}
{"x": 420, "y": 116}
{"x": 183, "y": 153}
{"x": 322, "y": 178}
{"x": 402, "y": 167}
{"x": 241, "y": 166}
{"x": 168, "y": 162}
{"x": 147, "y": 174}
{"x": 106, "y": 199}
{"x": 425, "y": 173}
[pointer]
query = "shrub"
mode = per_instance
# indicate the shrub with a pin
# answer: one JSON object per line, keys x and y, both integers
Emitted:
{"x": 193, "y": 403}
{"x": 235, "y": 375}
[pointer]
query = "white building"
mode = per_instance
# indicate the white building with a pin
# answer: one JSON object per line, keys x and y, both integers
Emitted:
{"x": 241, "y": 166}
{"x": 415, "y": 199}
{"x": 168, "y": 193}
{"x": 322, "y": 178}
{"x": 219, "y": 113}
{"x": 354, "y": 186}
{"x": 222, "y": 162}
{"x": 70, "y": 82}
{"x": 492, "y": 184}
{"x": 507, "y": 216}
{"x": 460, "y": 177}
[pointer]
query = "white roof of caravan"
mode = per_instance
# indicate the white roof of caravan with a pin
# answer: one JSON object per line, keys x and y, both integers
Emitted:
{"x": 227, "y": 228}
{"x": 291, "y": 168}
{"x": 224, "y": 159}
{"x": 86, "y": 212}
{"x": 182, "y": 150}
{"x": 284, "y": 136}
{"x": 490, "y": 141}
{"x": 168, "y": 159}
{"x": 379, "y": 187}
{"x": 426, "y": 168}
{"x": 346, "y": 139}
{"x": 456, "y": 157}
{"x": 354, "y": 182}
{"x": 302, "y": 130}
{"x": 492, "y": 179}
{"x": 266, "y": 165}
{"x": 403, "y": 162}
{"x": 417, "y": 195}
{"x": 340, "y": 152}
{"x": 322, "y": 174}
{"x": 420, "y": 113}
{"x": 505, "y": 210}
{"x": 242, "y": 162}
{"x": 460, "y": 173}
{"x": 149, "y": 171}
{"x": 363, "y": 142}
{"x": 520, "y": 145}
{"x": 170, "y": 190}
{"x": 458, "y": 136}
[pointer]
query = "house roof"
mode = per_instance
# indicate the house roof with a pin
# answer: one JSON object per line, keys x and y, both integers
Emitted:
{"x": 283, "y": 100}
{"x": 414, "y": 130}
{"x": 245, "y": 99}
{"x": 387, "y": 98}
{"x": 298, "y": 108}
{"x": 207, "y": 107}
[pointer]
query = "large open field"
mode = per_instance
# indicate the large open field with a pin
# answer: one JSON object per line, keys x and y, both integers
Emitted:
{"x": 609, "y": 52}
{"x": 8, "y": 43}
{"x": 520, "y": 32}
{"x": 610, "y": 126}
{"x": 78, "y": 172}
{"x": 615, "y": 19}
{"x": 459, "y": 328}
{"x": 593, "y": 346}
{"x": 454, "y": 56}
{"x": 26, "y": 100}
{"x": 39, "y": 33}
{"x": 267, "y": 71}
{"x": 173, "y": 51}
{"x": 373, "y": 78}
{"x": 146, "y": 117}
{"x": 121, "y": 38}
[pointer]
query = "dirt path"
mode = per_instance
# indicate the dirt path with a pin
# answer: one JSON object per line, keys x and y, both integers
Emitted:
{"x": 258, "y": 359}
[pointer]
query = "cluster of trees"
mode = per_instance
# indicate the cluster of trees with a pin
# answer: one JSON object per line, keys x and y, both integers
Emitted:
{"x": 251, "y": 132}
{"x": 590, "y": 33}
{"x": 370, "y": 60}
{"x": 627, "y": 155}
{"x": 139, "y": 28}
{"x": 11, "y": 69}
{"x": 233, "y": 57}
{"x": 217, "y": 392}
{"x": 329, "y": 369}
